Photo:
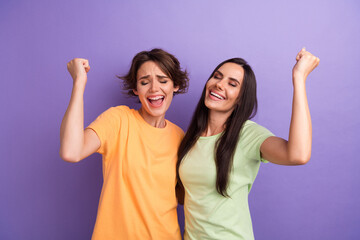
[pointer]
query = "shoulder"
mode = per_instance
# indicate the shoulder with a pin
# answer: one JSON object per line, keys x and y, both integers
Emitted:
{"x": 121, "y": 108}
{"x": 118, "y": 110}
{"x": 253, "y": 129}
{"x": 114, "y": 115}
{"x": 251, "y": 138}
{"x": 175, "y": 129}
{"x": 253, "y": 126}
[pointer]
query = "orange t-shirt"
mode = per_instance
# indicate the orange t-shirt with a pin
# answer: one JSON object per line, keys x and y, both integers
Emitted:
{"x": 137, "y": 199}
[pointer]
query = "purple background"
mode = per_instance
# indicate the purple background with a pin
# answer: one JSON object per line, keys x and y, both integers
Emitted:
{"x": 43, "y": 197}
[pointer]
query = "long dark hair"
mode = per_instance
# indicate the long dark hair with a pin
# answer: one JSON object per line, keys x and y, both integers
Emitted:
{"x": 244, "y": 109}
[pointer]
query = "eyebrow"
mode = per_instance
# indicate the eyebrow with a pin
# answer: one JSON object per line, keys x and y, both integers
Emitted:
{"x": 162, "y": 76}
{"x": 144, "y": 77}
{"x": 159, "y": 76}
{"x": 231, "y": 78}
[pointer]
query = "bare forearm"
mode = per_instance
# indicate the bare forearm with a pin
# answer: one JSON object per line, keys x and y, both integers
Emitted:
{"x": 72, "y": 126}
{"x": 300, "y": 134}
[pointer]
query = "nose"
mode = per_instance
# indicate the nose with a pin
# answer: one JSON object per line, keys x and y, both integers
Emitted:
{"x": 220, "y": 84}
{"x": 154, "y": 86}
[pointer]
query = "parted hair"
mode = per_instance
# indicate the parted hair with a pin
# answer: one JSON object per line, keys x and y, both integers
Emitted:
{"x": 225, "y": 146}
{"x": 167, "y": 62}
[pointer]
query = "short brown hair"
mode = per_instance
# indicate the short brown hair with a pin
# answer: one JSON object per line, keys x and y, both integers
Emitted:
{"x": 166, "y": 62}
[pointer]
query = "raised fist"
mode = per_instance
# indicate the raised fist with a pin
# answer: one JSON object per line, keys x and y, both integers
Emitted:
{"x": 305, "y": 64}
{"x": 78, "y": 69}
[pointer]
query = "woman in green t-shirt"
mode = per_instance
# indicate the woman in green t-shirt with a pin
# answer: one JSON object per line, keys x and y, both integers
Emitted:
{"x": 221, "y": 152}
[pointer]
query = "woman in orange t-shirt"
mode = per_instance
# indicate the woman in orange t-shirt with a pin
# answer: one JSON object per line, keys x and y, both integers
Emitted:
{"x": 139, "y": 148}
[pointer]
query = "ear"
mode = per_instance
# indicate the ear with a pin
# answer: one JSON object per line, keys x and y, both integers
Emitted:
{"x": 135, "y": 92}
{"x": 176, "y": 88}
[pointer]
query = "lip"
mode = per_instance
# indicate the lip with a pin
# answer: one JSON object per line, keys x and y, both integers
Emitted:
{"x": 214, "y": 97}
{"x": 155, "y": 101}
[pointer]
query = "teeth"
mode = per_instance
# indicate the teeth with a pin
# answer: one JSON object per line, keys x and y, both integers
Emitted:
{"x": 217, "y": 95}
{"x": 156, "y": 98}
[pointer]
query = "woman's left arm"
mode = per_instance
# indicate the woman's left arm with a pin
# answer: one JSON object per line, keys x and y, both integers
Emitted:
{"x": 297, "y": 150}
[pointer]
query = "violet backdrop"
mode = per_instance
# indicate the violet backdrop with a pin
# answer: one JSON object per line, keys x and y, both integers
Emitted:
{"x": 43, "y": 197}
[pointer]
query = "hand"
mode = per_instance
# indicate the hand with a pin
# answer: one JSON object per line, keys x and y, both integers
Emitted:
{"x": 78, "y": 69}
{"x": 305, "y": 64}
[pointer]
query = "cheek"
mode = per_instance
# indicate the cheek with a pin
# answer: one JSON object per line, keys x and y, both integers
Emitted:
{"x": 236, "y": 93}
{"x": 169, "y": 89}
{"x": 234, "y": 98}
{"x": 208, "y": 83}
{"x": 141, "y": 93}
{"x": 207, "y": 86}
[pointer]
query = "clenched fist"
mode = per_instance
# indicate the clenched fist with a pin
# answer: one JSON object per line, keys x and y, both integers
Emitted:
{"x": 305, "y": 64}
{"x": 78, "y": 69}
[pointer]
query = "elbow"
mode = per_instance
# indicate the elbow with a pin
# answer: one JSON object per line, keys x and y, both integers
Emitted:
{"x": 68, "y": 157}
{"x": 300, "y": 159}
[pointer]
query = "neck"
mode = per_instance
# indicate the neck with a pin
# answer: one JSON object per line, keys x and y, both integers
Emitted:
{"x": 158, "y": 122}
{"x": 216, "y": 123}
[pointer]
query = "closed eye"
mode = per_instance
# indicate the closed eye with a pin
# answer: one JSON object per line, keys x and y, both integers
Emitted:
{"x": 162, "y": 79}
{"x": 143, "y": 83}
{"x": 234, "y": 82}
{"x": 218, "y": 75}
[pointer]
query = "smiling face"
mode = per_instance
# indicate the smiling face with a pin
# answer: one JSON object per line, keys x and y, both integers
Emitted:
{"x": 223, "y": 88}
{"x": 154, "y": 89}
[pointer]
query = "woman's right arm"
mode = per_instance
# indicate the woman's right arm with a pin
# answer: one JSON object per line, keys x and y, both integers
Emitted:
{"x": 75, "y": 142}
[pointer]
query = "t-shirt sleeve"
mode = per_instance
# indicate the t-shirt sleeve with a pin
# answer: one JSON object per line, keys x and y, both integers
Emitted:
{"x": 257, "y": 135}
{"x": 107, "y": 127}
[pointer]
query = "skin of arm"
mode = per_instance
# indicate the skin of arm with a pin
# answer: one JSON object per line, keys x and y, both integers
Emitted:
{"x": 75, "y": 142}
{"x": 297, "y": 150}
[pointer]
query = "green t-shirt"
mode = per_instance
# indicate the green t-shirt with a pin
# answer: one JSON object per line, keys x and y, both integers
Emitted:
{"x": 209, "y": 215}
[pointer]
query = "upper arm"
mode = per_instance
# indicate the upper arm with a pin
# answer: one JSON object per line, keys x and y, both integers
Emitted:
{"x": 91, "y": 143}
{"x": 275, "y": 150}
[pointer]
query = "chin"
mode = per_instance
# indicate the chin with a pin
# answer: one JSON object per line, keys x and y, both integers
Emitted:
{"x": 156, "y": 112}
{"x": 210, "y": 105}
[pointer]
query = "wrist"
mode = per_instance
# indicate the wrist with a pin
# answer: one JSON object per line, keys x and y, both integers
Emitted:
{"x": 79, "y": 85}
{"x": 299, "y": 84}
{"x": 299, "y": 79}
{"x": 79, "y": 81}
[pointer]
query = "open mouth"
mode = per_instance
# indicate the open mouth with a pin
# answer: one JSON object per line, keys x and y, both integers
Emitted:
{"x": 216, "y": 96}
{"x": 156, "y": 101}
